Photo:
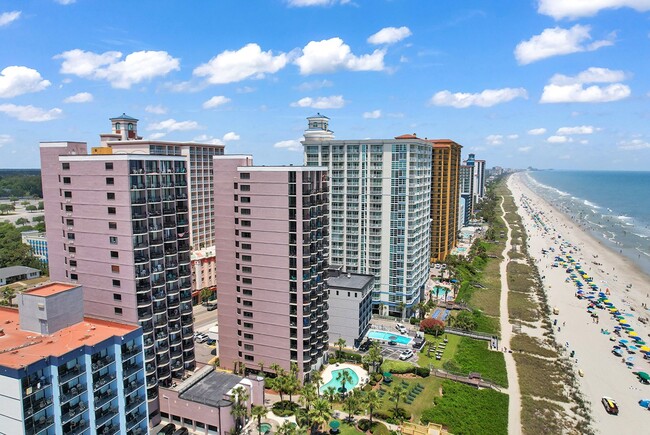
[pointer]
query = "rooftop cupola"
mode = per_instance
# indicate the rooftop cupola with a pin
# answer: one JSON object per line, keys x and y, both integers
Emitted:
{"x": 317, "y": 128}
{"x": 126, "y": 126}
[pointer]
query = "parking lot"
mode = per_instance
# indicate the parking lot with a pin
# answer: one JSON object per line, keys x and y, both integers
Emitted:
{"x": 393, "y": 352}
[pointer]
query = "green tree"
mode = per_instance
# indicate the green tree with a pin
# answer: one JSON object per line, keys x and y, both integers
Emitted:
{"x": 371, "y": 402}
{"x": 25, "y": 203}
{"x": 345, "y": 378}
{"x": 321, "y": 412}
{"x": 340, "y": 343}
{"x": 401, "y": 307}
{"x": 317, "y": 379}
{"x": 352, "y": 404}
{"x": 330, "y": 394}
{"x": 38, "y": 219}
{"x": 8, "y": 294}
{"x": 31, "y": 208}
{"x": 22, "y": 221}
{"x": 13, "y": 200}
{"x": 41, "y": 205}
{"x": 373, "y": 358}
{"x": 395, "y": 395}
{"x": 239, "y": 409}
{"x": 258, "y": 412}
{"x": 206, "y": 294}
{"x": 432, "y": 326}
{"x": 5, "y": 208}
{"x": 422, "y": 309}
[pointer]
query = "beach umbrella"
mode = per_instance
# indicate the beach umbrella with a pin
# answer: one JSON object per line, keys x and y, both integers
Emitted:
{"x": 645, "y": 348}
{"x": 632, "y": 348}
{"x": 644, "y": 402}
{"x": 622, "y": 341}
{"x": 633, "y": 334}
{"x": 643, "y": 376}
{"x": 622, "y": 321}
{"x": 334, "y": 424}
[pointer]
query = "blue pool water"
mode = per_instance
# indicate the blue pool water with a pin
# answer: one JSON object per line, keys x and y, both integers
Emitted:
{"x": 336, "y": 383}
{"x": 388, "y": 336}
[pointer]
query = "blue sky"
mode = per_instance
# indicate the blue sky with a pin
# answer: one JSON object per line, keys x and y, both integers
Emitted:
{"x": 546, "y": 83}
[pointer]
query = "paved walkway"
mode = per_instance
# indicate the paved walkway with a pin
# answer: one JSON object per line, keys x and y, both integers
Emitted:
{"x": 514, "y": 406}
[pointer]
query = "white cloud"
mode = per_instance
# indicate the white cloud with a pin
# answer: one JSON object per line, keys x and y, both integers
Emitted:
{"x": 487, "y": 98}
{"x": 65, "y": 2}
{"x": 156, "y": 136}
{"x": 513, "y": 136}
{"x": 230, "y": 136}
{"x": 633, "y": 145}
{"x": 573, "y": 9}
{"x": 330, "y": 55}
{"x": 567, "y": 89}
{"x": 389, "y": 35}
{"x": 5, "y": 139}
{"x": 8, "y": 17}
{"x": 208, "y": 139}
{"x": 375, "y": 114}
{"x": 306, "y": 3}
{"x": 30, "y": 113}
{"x": 215, "y": 101}
{"x": 122, "y": 74}
{"x": 289, "y": 145}
{"x": 582, "y": 129}
{"x": 494, "y": 139}
{"x": 81, "y": 97}
{"x": 18, "y": 80}
{"x": 559, "y": 139}
{"x": 247, "y": 62}
{"x": 584, "y": 142}
{"x": 333, "y": 102}
{"x": 317, "y": 84}
{"x": 245, "y": 90}
{"x": 536, "y": 131}
{"x": 156, "y": 110}
{"x": 524, "y": 149}
{"x": 557, "y": 42}
{"x": 171, "y": 124}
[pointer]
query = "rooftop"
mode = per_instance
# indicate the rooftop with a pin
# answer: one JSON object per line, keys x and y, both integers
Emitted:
{"x": 7, "y": 272}
{"x": 125, "y": 117}
{"x": 352, "y": 281}
{"x": 49, "y": 289}
{"x": 19, "y": 348}
{"x": 211, "y": 389}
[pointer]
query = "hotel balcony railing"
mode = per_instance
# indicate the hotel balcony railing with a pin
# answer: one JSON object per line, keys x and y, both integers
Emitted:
{"x": 153, "y": 211}
{"x": 102, "y": 399}
{"x": 176, "y": 353}
{"x": 140, "y": 200}
{"x": 152, "y": 393}
{"x": 104, "y": 380}
{"x": 156, "y": 254}
{"x": 143, "y": 301}
{"x": 104, "y": 415}
{"x": 71, "y": 393}
{"x": 159, "y": 296}
{"x": 187, "y": 320}
{"x": 99, "y": 363}
{"x": 154, "y": 241}
{"x": 37, "y": 385}
{"x": 39, "y": 425}
{"x": 133, "y": 402}
{"x": 186, "y": 295}
{"x": 162, "y": 347}
{"x": 108, "y": 429}
{"x": 174, "y": 327}
{"x": 140, "y": 230}
{"x": 39, "y": 405}
{"x": 149, "y": 354}
{"x": 141, "y": 259}
{"x": 130, "y": 387}
{"x": 188, "y": 357}
{"x": 155, "y": 227}
{"x": 131, "y": 369}
{"x": 164, "y": 373}
{"x": 184, "y": 271}
{"x": 153, "y": 198}
{"x": 70, "y": 374}
{"x": 159, "y": 308}
{"x": 134, "y": 419}
{"x": 151, "y": 383}
{"x": 147, "y": 327}
{"x": 186, "y": 308}
{"x": 171, "y": 264}
{"x": 187, "y": 331}
{"x": 183, "y": 246}
{"x": 142, "y": 286}
{"x": 174, "y": 315}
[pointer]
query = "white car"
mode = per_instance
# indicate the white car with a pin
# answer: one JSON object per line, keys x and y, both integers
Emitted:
{"x": 401, "y": 328}
{"x": 408, "y": 353}
{"x": 201, "y": 338}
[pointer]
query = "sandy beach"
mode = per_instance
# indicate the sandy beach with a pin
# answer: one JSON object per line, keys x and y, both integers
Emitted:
{"x": 604, "y": 373}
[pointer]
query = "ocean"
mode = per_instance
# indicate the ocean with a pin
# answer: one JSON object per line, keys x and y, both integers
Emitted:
{"x": 610, "y": 204}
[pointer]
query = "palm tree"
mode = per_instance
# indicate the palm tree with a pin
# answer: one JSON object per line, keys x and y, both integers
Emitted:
{"x": 422, "y": 307}
{"x": 321, "y": 412}
{"x": 381, "y": 309}
{"x": 291, "y": 385}
{"x": 279, "y": 371}
{"x": 340, "y": 343}
{"x": 352, "y": 404}
{"x": 287, "y": 428}
{"x": 308, "y": 395}
{"x": 317, "y": 379}
{"x": 239, "y": 408}
{"x": 373, "y": 357}
{"x": 330, "y": 393}
{"x": 401, "y": 307}
{"x": 396, "y": 394}
{"x": 345, "y": 378}
{"x": 257, "y": 412}
{"x": 371, "y": 401}
{"x": 261, "y": 364}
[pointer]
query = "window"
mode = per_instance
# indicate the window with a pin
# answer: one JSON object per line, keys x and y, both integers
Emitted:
{"x": 67, "y": 194}
{"x": 112, "y": 240}
{"x": 246, "y": 235}
{"x": 65, "y": 166}
{"x": 245, "y": 176}
{"x": 248, "y": 325}
{"x": 249, "y": 358}
{"x": 115, "y": 268}
{"x": 245, "y": 188}
{"x": 248, "y": 336}
{"x": 115, "y": 254}
{"x": 117, "y": 297}
{"x": 66, "y": 180}
{"x": 248, "y": 303}
{"x": 72, "y": 249}
{"x": 110, "y": 180}
{"x": 235, "y": 185}
{"x": 246, "y": 246}
{"x": 247, "y": 281}
{"x": 246, "y": 199}
{"x": 74, "y": 276}
{"x": 245, "y": 211}
{"x": 248, "y": 314}
{"x": 70, "y": 236}
{"x": 118, "y": 311}
{"x": 246, "y": 258}
{"x": 110, "y": 195}
{"x": 69, "y": 222}
{"x": 245, "y": 223}
{"x": 68, "y": 208}
{"x": 111, "y": 210}
{"x": 248, "y": 292}
{"x": 112, "y": 225}
{"x": 117, "y": 283}
{"x": 249, "y": 347}
{"x": 73, "y": 263}
{"x": 108, "y": 166}
{"x": 247, "y": 269}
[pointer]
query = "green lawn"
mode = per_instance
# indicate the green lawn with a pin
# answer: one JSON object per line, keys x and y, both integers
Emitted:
{"x": 348, "y": 429}
{"x": 449, "y": 352}
{"x": 474, "y": 356}
{"x": 466, "y": 410}
{"x": 423, "y": 401}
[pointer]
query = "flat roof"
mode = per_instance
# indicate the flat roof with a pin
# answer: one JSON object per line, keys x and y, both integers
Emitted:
{"x": 20, "y": 348}
{"x": 352, "y": 281}
{"x": 7, "y": 272}
{"x": 211, "y": 389}
{"x": 50, "y": 289}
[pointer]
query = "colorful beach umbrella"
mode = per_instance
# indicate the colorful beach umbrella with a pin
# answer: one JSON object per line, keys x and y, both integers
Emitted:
{"x": 633, "y": 334}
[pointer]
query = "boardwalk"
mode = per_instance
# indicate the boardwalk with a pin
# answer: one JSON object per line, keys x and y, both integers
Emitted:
{"x": 474, "y": 381}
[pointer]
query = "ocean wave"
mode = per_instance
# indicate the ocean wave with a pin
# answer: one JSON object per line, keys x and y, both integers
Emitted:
{"x": 591, "y": 204}
{"x": 643, "y": 252}
{"x": 623, "y": 217}
{"x": 546, "y": 186}
{"x": 643, "y": 236}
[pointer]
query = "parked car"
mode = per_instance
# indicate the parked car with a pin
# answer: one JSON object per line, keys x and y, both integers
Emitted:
{"x": 408, "y": 353}
{"x": 211, "y": 307}
{"x": 182, "y": 431}
{"x": 401, "y": 328}
{"x": 365, "y": 346}
{"x": 201, "y": 337}
{"x": 168, "y": 429}
{"x": 610, "y": 405}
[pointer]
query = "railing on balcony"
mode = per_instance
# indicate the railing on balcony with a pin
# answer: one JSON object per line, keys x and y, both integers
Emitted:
{"x": 104, "y": 415}
{"x": 104, "y": 380}
{"x": 102, "y": 399}
{"x": 39, "y": 425}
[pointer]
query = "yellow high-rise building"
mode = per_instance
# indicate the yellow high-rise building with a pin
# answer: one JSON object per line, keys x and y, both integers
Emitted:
{"x": 445, "y": 192}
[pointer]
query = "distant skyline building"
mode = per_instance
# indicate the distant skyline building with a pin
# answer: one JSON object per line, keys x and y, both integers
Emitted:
{"x": 380, "y": 210}
{"x": 62, "y": 372}
{"x": 466, "y": 178}
{"x": 118, "y": 224}
{"x": 272, "y": 244}
{"x": 478, "y": 174}
{"x": 445, "y": 192}
{"x": 198, "y": 156}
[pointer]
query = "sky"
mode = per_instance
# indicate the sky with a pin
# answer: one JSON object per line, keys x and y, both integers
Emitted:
{"x": 544, "y": 83}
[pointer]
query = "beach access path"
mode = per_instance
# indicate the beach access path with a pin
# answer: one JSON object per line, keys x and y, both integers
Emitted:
{"x": 604, "y": 374}
{"x": 514, "y": 395}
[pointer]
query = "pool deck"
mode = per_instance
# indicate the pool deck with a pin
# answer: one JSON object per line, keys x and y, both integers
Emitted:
{"x": 360, "y": 372}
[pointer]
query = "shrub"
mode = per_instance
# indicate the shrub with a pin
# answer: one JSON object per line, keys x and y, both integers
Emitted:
{"x": 422, "y": 372}
{"x": 364, "y": 424}
{"x": 432, "y": 326}
{"x": 383, "y": 415}
{"x": 414, "y": 320}
{"x": 379, "y": 428}
{"x": 285, "y": 408}
{"x": 398, "y": 367}
{"x": 350, "y": 356}
{"x": 369, "y": 386}
{"x": 377, "y": 377}
{"x": 333, "y": 360}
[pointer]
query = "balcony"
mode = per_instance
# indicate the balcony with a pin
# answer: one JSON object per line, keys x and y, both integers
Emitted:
{"x": 152, "y": 382}
{"x": 152, "y": 393}
{"x": 131, "y": 369}
{"x": 134, "y": 419}
{"x": 143, "y": 301}
{"x": 99, "y": 363}
{"x": 159, "y": 308}
{"x": 105, "y": 415}
{"x": 143, "y": 287}
{"x": 39, "y": 425}
{"x": 133, "y": 402}
{"x": 162, "y": 347}
{"x": 149, "y": 354}
{"x": 36, "y": 385}
{"x": 174, "y": 314}
{"x": 130, "y": 387}
{"x": 39, "y": 405}
{"x": 102, "y": 399}
{"x": 155, "y": 241}
{"x": 140, "y": 229}
{"x": 104, "y": 380}
{"x": 186, "y": 295}
{"x": 186, "y": 308}
{"x": 159, "y": 296}
{"x": 72, "y": 392}
{"x": 69, "y": 374}
{"x": 109, "y": 429}
{"x": 153, "y": 199}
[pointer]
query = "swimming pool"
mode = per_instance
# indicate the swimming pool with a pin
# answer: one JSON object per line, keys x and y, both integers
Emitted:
{"x": 336, "y": 380}
{"x": 389, "y": 336}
